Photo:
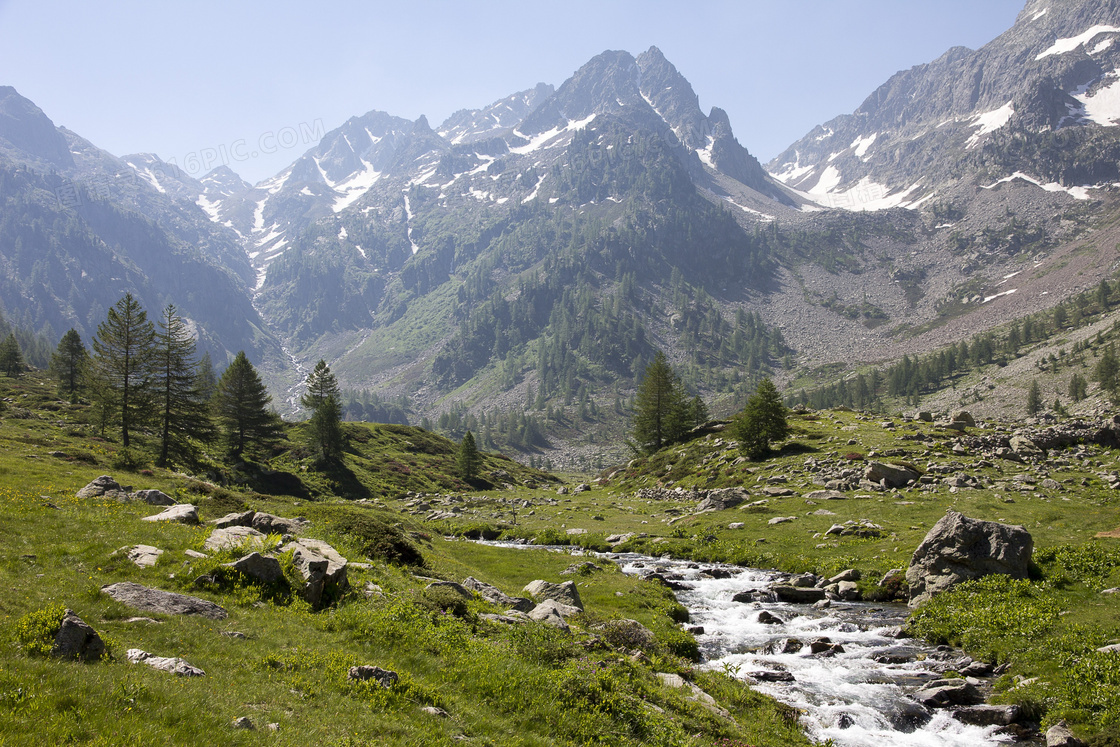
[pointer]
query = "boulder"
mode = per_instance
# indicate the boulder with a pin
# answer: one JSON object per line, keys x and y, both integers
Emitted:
{"x": 496, "y": 596}
{"x": 564, "y": 593}
{"x": 945, "y": 693}
{"x": 891, "y": 475}
{"x": 1023, "y": 446}
{"x": 153, "y": 497}
{"x": 365, "y": 672}
{"x": 183, "y": 513}
{"x": 959, "y": 548}
{"x": 988, "y": 715}
{"x": 77, "y": 640}
{"x": 100, "y": 486}
{"x": 144, "y": 556}
{"x": 258, "y": 567}
{"x": 234, "y": 537}
{"x": 781, "y": 520}
{"x": 174, "y": 665}
{"x": 307, "y": 553}
{"x": 851, "y": 574}
{"x": 243, "y": 722}
{"x": 723, "y": 498}
{"x": 269, "y": 524}
{"x": 768, "y": 618}
{"x": 147, "y": 599}
{"x": 1060, "y": 735}
{"x": 963, "y": 416}
{"x": 825, "y": 495}
{"x": 551, "y": 612}
{"x": 848, "y": 591}
{"x": 797, "y": 594}
{"x": 236, "y": 519}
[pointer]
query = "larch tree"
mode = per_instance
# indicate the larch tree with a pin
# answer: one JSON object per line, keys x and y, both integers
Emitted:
{"x": 242, "y": 408}
{"x": 68, "y": 362}
{"x": 469, "y": 459}
{"x": 324, "y": 400}
{"x": 122, "y": 362}
{"x": 11, "y": 357}
{"x": 183, "y": 408}
{"x": 661, "y": 410}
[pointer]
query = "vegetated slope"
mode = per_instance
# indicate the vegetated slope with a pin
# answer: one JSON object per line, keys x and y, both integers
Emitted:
{"x": 464, "y": 671}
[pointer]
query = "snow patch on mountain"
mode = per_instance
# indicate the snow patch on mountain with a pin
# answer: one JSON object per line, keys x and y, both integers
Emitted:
{"x": 356, "y": 186}
{"x": 210, "y": 208}
{"x": 1062, "y": 46}
{"x": 705, "y": 153}
{"x": 1078, "y": 193}
{"x": 538, "y": 141}
{"x": 1039, "y": 14}
{"x": 827, "y": 182}
{"x": 1103, "y": 106}
{"x": 862, "y": 144}
{"x": 989, "y": 122}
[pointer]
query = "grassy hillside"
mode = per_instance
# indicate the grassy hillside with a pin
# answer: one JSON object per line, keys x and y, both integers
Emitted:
{"x": 462, "y": 677}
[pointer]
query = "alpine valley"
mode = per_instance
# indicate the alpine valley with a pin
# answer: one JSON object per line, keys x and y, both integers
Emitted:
{"x": 514, "y": 268}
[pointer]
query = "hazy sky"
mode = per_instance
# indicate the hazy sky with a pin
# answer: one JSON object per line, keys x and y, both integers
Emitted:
{"x": 181, "y": 79}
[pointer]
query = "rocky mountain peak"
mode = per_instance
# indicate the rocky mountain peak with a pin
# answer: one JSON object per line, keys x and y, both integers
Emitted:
{"x": 26, "y": 129}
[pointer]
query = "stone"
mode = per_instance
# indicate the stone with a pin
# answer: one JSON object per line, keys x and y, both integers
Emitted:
{"x": 618, "y": 539}
{"x": 195, "y": 554}
{"x": 797, "y": 595}
{"x": 269, "y": 524}
{"x": 258, "y": 567}
{"x": 434, "y": 711}
{"x": 564, "y": 593}
{"x": 496, "y": 596}
{"x": 366, "y": 672}
{"x": 804, "y": 581}
{"x": 895, "y": 654}
{"x": 323, "y": 569}
{"x": 950, "y": 692}
{"x": 1023, "y": 446}
{"x": 153, "y": 497}
{"x": 100, "y": 486}
{"x": 924, "y": 416}
{"x": 174, "y": 665}
{"x": 891, "y": 475}
{"x": 958, "y": 549}
{"x": 183, "y": 513}
{"x": 781, "y": 520}
{"x": 722, "y": 499}
{"x": 243, "y": 723}
{"x": 767, "y": 618}
{"x": 848, "y": 591}
{"x": 770, "y": 676}
{"x": 851, "y": 574}
{"x": 233, "y": 538}
{"x": 147, "y": 599}
{"x": 825, "y": 495}
{"x": 236, "y": 519}
{"x": 1060, "y": 735}
{"x": 75, "y": 639}
{"x": 963, "y": 416}
{"x": 145, "y": 556}
{"x": 551, "y": 612}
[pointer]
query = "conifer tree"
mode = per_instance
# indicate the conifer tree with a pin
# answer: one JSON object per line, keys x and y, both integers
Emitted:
{"x": 122, "y": 362}
{"x": 1107, "y": 371}
{"x": 698, "y": 412}
{"x": 324, "y": 429}
{"x": 183, "y": 408}
{"x": 207, "y": 380}
{"x": 68, "y": 362}
{"x": 661, "y": 410}
{"x": 1034, "y": 398}
{"x": 11, "y": 357}
{"x": 1078, "y": 387}
{"x": 468, "y": 458}
{"x": 241, "y": 405}
{"x": 762, "y": 421}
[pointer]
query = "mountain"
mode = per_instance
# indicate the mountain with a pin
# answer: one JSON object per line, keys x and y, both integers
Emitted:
{"x": 80, "y": 227}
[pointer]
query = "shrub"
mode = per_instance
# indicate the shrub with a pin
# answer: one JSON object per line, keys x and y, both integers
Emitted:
{"x": 36, "y": 630}
{"x": 542, "y": 644}
{"x": 373, "y": 537}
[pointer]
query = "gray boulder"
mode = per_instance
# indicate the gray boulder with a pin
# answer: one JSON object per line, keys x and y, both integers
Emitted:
{"x": 153, "y": 497}
{"x": 236, "y": 519}
{"x": 234, "y": 537}
{"x": 1060, "y": 735}
{"x": 183, "y": 513}
{"x": 963, "y": 416}
{"x": 988, "y": 715}
{"x": 365, "y": 672}
{"x": 945, "y": 693}
{"x": 175, "y": 665}
{"x": 147, "y": 599}
{"x": 959, "y": 548}
{"x": 496, "y": 596}
{"x": 258, "y": 567}
{"x": 1023, "y": 446}
{"x": 144, "y": 556}
{"x": 797, "y": 594}
{"x": 890, "y": 475}
{"x": 322, "y": 568}
{"x": 553, "y": 613}
{"x": 77, "y": 640}
{"x": 269, "y": 524}
{"x": 103, "y": 486}
{"x": 723, "y": 498}
{"x": 565, "y": 593}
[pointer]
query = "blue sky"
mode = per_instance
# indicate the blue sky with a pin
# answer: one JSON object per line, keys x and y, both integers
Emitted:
{"x": 178, "y": 78}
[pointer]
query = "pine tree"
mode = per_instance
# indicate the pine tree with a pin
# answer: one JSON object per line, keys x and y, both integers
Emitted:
{"x": 1034, "y": 398}
{"x": 11, "y": 357}
{"x": 122, "y": 361}
{"x": 1078, "y": 387}
{"x": 207, "y": 380}
{"x": 68, "y": 363}
{"x": 1107, "y": 371}
{"x": 241, "y": 406}
{"x": 468, "y": 458}
{"x": 183, "y": 408}
{"x": 762, "y": 421}
{"x": 698, "y": 412}
{"x": 324, "y": 428}
{"x": 661, "y": 411}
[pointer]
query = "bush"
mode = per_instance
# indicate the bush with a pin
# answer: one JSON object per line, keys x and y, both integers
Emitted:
{"x": 36, "y": 630}
{"x": 443, "y": 599}
{"x": 542, "y": 644}
{"x": 371, "y": 536}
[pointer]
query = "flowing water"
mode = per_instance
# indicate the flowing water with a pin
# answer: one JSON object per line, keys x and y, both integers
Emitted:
{"x": 848, "y": 697}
